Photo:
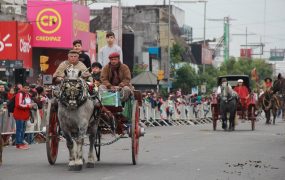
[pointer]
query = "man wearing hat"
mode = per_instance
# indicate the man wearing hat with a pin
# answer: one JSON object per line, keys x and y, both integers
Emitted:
{"x": 224, "y": 91}
{"x": 73, "y": 59}
{"x": 243, "y": 94}
{"x": 116, "y": 76}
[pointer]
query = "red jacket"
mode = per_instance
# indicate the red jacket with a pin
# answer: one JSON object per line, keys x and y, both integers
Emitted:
{"x": 242, "y": 91}
{"x": 22, "y": 106}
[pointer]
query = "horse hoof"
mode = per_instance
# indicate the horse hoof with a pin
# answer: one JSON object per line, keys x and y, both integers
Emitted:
{"x": 71, "y": 168}
{"x": 77, "y": 168}
{"x": 90, "y": 165}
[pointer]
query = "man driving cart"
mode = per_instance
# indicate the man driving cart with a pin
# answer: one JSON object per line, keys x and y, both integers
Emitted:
{"x": 116, "y": 76}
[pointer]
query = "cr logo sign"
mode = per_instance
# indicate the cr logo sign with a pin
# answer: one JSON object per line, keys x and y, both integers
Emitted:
{"x": 48, "y": 20}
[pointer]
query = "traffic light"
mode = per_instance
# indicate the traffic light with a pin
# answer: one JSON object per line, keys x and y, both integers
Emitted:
{"x": 44, "y": 63}
{"x": 160, "y": 75}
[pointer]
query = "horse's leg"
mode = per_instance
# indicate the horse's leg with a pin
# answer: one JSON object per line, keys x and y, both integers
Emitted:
{"x": 274, "y": 113}
{"x": 224, "y": 115}
{"x": 78, "y": 153}
{"x": 71, "y": 147}
{"x": 232, "y": 111}
{"x": 267, "y": 115}
{"x": 91, "y": 159}
{"x": 1, "y": 148}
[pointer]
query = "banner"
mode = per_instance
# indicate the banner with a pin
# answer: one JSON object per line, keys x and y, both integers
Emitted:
{"x": 117, "y": 24}
{"x": 207, "y": 55}
{"x": 92, "y": 49}
{"x": 57, "y": 24}
{"x": 24, "y": 44}
{"x": 8, "y": 41}
{"x": 15, "y": 43}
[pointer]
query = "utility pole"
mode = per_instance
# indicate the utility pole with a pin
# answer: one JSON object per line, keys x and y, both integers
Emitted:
{"x": 246, "y": 35}
{"x": 226, "y": 21}
{"x": 168, "y": 60}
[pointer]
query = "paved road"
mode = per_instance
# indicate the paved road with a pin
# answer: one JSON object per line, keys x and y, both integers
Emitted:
{"x": 168, "y": 153}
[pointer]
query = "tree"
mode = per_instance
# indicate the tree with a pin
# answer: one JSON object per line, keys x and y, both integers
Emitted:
{"x": 176, "y": 57}
{"x": 186, "y": 78}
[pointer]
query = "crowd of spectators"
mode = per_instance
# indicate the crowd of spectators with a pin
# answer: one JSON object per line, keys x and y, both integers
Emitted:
{"x": 20, "y": 100}
{"x": 170, "y": 103}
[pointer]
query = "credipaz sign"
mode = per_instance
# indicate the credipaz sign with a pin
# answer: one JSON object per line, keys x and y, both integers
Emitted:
{"x": 53, "y": 23}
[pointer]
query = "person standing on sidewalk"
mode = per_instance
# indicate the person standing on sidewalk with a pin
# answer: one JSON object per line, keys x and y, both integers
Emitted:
{"x": 23, "y": 104}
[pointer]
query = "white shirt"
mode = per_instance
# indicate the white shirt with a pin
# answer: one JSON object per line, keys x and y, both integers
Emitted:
{"x": 103, "y": 56}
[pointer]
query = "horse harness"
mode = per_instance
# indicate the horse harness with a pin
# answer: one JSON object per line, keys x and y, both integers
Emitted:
{"x": 226, "y": 95}
{"x": 73, "y": 93}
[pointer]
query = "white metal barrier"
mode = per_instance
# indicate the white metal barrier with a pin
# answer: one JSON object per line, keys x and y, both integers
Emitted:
{"x": 8, "y": 125}
{"x": 182, "y": 115}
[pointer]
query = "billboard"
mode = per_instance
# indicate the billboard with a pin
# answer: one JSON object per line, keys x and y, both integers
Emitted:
{"x": 207, "y": 55}
{"x": 117, "y": 24}
{"x": 24, "y": 42}
{"x": 81, "y": 15}
{"x": 8, "y": 41}
{"x": 246, "y": 53}
{"x": 15, "y": 42}
{"x": 56, "y": 24}
{"x": 92, "y": 49}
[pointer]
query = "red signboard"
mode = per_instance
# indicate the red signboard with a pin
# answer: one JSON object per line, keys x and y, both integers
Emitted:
{"x": 8, "y": 40}
{"x": 15, "y": 42}
{"x": 24, "y": 40}
{"x": 245, "y": 53}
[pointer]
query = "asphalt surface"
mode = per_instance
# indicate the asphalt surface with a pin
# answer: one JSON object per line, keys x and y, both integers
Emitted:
{"x": 167, "y": 153}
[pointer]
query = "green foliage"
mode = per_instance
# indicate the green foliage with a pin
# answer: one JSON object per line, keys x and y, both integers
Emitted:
{"x": 176, "y": 57}
{"x": 139, "y": 68}
{"x": 186, "y": 77}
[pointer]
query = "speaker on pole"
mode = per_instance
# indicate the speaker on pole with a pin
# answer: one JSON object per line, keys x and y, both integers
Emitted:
{"x": 20, "y": 76}
{"x": 128, "y": 49}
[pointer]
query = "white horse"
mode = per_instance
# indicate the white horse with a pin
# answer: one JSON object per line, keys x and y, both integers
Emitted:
{"x": 77, "y": 115}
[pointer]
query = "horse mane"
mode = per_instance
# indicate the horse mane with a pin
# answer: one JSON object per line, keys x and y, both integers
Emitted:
{"x": 279, "y": 85}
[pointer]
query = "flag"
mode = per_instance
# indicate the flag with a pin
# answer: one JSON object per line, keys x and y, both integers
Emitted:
{"x": 254, "y": 75}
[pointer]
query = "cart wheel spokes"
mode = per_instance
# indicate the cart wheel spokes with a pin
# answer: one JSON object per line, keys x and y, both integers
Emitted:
{"x": 52, "y": 139}
{"x": 135, "y": 132}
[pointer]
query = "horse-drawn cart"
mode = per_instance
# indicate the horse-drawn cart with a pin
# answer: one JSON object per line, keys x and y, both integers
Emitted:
{"x": 246, "y": 112}
{"x": 113, "y": 117}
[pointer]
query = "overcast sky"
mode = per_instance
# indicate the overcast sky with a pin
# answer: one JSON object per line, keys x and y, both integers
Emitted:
{"x": 261, "y": 17}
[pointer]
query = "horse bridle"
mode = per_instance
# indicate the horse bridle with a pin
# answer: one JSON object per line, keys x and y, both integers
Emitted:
{"x": 73, "y": 93}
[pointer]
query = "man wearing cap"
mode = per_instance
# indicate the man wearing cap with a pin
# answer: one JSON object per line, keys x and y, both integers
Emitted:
{"x": 116, "y": 76}
{"x": 73, "y": 59}
{"x": 243, "y": 94}
{"x": 225, "y": 92}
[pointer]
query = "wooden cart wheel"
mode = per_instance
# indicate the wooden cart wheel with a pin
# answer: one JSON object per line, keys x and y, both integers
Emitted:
{"x": 214, "y": 109}
{"x": 135, "y": 132}
{"x": 52, "y": 132}
{"x": 251, "y": 112}
{"x": 97, "y": 144}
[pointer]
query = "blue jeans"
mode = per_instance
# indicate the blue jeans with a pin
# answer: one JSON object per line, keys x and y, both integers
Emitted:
{"x": 20, "y": 131}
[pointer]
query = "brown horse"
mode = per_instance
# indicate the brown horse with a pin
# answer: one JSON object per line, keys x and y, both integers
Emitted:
{"x": 279, "y": 86}
{"x": 1, "y": 148}
{"x": 269, "y": 103}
